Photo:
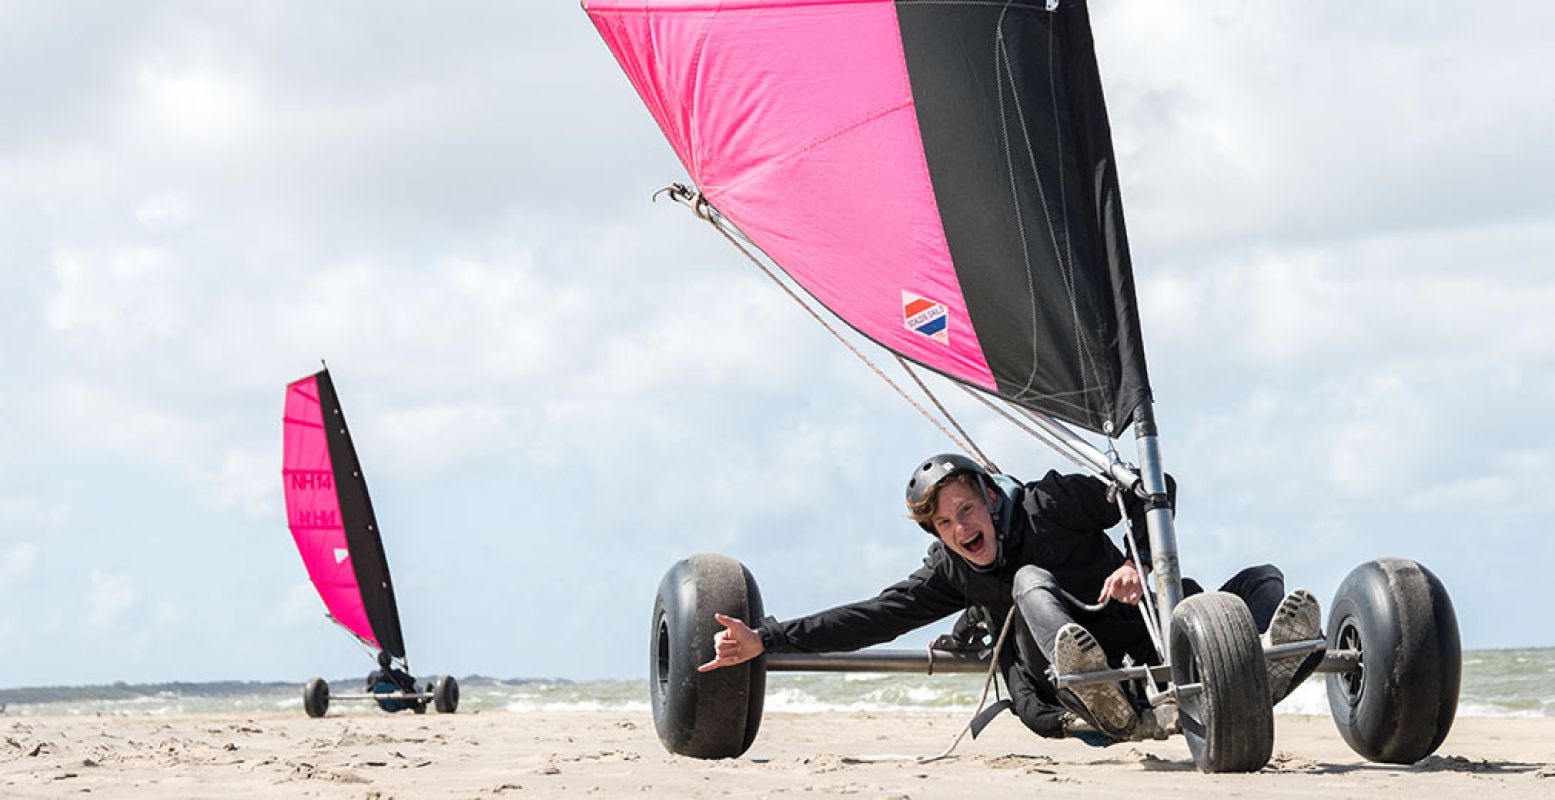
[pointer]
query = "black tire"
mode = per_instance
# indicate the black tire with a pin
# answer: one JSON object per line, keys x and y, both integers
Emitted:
{"x": 445, "y": 695}
{"x": 1399, "y": 707}
{"x": 1229, "y": 722}
{"x": 315, "y": 697}
{"x": 704, "y": 714}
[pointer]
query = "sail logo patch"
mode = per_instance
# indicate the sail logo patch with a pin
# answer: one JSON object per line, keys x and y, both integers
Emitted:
{"x": 926, "y": 317}
{"x": 313, "y": 519}
{"x": 341, "y": 554}
{"x": 312, "y": 479}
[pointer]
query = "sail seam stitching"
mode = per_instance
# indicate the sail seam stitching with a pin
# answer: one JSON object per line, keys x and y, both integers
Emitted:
{"x": 799, "y": 150}
{"x": 1003, "y": 73}
{"x": 1082, "y": 345}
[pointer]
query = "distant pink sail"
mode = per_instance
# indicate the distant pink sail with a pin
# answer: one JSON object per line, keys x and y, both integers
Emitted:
{"x": 319, "y": 523}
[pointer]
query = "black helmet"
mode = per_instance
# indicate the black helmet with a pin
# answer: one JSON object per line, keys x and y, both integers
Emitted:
{"x": 938, "y": 469}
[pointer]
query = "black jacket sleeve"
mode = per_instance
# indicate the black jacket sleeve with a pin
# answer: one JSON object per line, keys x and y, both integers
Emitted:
{"x": 923, "y": 597}
{"x": 1081, "y": 502}
{"x": 1078, "y": 502}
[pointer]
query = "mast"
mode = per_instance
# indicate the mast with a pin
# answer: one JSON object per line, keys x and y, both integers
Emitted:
{"x": 1166, "y": 570}
{"x": 363, "y": 538}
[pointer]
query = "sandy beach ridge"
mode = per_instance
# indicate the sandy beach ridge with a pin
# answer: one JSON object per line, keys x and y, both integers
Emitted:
{"x": 368, "y": 755}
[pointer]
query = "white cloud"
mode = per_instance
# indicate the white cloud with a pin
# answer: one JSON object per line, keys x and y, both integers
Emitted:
{"x": 247, "y": 480}
{"x": 1507, "y": 483}
{"x": 92, "y": 418}
{"x": 301, "y": 604}
{"x": 1376, "y": 433}
{"x": 163, "y": 212}
{"x": 170, "y": 614}
{"x": 124, "y": 298}
{"x": 17, "y": 562}
{"x": 1355, "y": 305}
{"x": 1482, "y": 492}
{"x": 193, "y": 106}
{"x": 1231, "y": 131}
{"x": 429, "y": 442}
{"x": 111, "y": 596}
{"x": 26, "y": 524}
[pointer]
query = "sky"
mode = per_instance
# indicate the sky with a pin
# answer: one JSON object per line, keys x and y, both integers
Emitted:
{"x": 1342, "y": 218}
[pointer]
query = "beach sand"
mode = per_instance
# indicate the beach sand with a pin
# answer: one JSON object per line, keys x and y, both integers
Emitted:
{"x": 359, "y": 753}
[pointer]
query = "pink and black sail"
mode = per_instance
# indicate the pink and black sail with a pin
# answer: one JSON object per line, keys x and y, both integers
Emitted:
{"x": 331, "y": 517}
{"x": 938, "y": 174}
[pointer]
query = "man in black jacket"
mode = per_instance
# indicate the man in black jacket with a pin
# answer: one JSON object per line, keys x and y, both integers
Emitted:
{"x": 1042, "y": 547}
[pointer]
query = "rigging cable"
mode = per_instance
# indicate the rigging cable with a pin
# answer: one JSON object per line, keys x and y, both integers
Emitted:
{"x": 970, "y": 445}
{"x": 1035, "y": 433}
{"x": 993, "y": 671}
{"x": 1147, "y": 607}
{"x": 699, "y": 206}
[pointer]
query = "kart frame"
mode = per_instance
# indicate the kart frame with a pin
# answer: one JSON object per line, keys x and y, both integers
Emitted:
{"x": 1391, "y": 653}
{"x": 1164, "y": 580}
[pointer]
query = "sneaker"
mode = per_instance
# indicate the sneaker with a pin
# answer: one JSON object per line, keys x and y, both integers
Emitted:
{"x": 1076, "y": 651}
{"x": 1297, "y": 619}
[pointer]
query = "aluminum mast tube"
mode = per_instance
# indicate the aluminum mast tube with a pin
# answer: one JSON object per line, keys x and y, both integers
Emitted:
{"x": 1167, "y": 571}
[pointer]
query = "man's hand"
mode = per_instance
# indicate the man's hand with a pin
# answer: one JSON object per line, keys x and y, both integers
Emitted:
{"x": 1123, "y": 585}
{"x": 735, "y": 644}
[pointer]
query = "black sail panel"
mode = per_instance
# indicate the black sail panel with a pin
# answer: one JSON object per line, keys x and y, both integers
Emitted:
{"x": 363, "y": 538}
{"x": 1014, "y": 127}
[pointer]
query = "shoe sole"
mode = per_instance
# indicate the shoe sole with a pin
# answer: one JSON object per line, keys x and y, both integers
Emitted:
{"x": 1077, "y": 652}
{"x": 1298, "y": 619}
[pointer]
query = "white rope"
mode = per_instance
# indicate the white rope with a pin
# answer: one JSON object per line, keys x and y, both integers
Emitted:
{"x": 699, "y": 206}
{"x": 1152, "y": 623}
{"x": 970, "y": 446}
{"x": 993, "y": 671}
{"x": 1035, "y": 433}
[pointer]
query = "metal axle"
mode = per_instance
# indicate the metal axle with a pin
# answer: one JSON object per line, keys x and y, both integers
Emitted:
{"x": 927, "y": 662}
{"x": 946, "y": 662}
{"x": 382, "y": 696}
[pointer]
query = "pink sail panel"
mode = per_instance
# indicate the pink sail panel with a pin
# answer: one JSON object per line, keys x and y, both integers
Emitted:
{"x": 796, "y": 120}
{"x": 313, "y": 508}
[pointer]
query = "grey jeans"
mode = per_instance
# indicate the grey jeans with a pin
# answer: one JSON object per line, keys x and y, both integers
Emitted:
{"x": 1046, "y": 607}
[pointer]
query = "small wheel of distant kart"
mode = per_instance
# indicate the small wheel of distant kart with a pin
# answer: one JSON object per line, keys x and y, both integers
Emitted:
{"x": 1227, "y": 720}
{"x": 315, "y": 697}
{"x": 704, "y": 714}
{"x": 1398, "y": 707}
{"x": 445, "y": 695}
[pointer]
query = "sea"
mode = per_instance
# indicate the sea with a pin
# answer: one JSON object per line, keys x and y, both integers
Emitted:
{"x": 1496, "y": 683}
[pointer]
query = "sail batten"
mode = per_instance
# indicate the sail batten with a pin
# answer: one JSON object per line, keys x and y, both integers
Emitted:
{"x": 938, "y": 175}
